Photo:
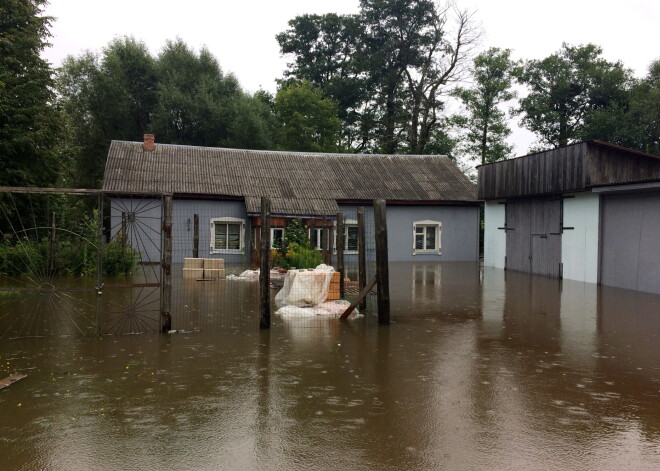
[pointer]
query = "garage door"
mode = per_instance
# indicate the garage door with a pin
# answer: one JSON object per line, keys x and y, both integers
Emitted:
{"x": 630, "y": 255}
{"x": 533, "y": 236}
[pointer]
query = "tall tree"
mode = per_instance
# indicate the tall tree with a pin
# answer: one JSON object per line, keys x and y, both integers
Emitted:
{"x": 29, "y": 122}
{"x": 108, "y": 97}
{"x": 486, "y": 124}
{"x": 386, "y": 67}
{"x": 566, "y": 89}
{"x": 307, "y": 119}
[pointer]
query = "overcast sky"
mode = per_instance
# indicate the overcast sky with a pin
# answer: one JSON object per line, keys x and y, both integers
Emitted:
{"x": 241, "y": 34}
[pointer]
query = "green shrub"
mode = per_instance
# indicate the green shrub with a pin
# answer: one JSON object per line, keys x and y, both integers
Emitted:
{"x": 302, "y": 257}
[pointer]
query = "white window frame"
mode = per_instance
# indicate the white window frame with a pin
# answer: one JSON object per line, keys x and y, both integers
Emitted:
{"x": 272, "y": 236}
{"x": 347, "y": 222}
{"x": 318, "y": 231}
{"x": 437, "y": 250}
{"x": 228, "y": 220}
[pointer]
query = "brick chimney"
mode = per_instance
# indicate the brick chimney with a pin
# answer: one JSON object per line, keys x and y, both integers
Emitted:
{"x": 149, "y": 142}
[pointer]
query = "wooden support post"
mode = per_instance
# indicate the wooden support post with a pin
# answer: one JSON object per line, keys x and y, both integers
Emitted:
{"x": 324, "y": 241}
{"x": 264, "y": 272}
{"x": 196, "y": 237}
{"x": 382, "y": 268}
{"x": 52, "y": 243}
{"x": 99, "y": 266}
{"x": 124, "y": 231}
{"x": 362, "y": 255}
{"x": 361, "y": 296}
{"x": 166, "y": 267}
{"x": 340, "y": 253}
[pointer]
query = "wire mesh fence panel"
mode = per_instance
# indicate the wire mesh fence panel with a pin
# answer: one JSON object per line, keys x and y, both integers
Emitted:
{"x": 132, "y": 256}
{"x": 48, "y": 264}
{"x": 77, "y": 262}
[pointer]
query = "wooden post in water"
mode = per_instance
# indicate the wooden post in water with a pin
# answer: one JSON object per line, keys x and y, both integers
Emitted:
{"x": 196, "y": 236}
{"x": 99, "y": 266}
{"x": 52, "y": 243}
{"x": 124, "y": 232}
{"x": 324, "y": 241}
{"x": 340, "y": 252}
{"x": 264, "y": 272}
{"x": 362, "y": 256}
{"x": 382, "y": 269}
{"x": 166, "y": 267}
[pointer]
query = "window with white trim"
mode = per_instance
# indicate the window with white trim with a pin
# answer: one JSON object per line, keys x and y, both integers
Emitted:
{"x": 227, "y": 235}
{"x": 426, "y": 237}
{"x": 276, "y": 237}
{"x": 350, "y": 237}
{"x": 316, "y": 237}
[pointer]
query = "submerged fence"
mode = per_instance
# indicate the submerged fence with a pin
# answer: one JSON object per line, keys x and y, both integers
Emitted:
{"x": 84, "y": 262}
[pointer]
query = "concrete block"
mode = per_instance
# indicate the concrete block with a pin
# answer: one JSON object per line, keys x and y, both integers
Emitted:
{"x": 196, "y": 273}
{"x": 193, "y": 263}
{"x": 214, "y": 263}
{"x": 214, "y": 273}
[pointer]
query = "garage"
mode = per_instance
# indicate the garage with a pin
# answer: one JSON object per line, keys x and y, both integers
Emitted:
{"x": 630, "y": 228}
{"x": 533, "y": 236}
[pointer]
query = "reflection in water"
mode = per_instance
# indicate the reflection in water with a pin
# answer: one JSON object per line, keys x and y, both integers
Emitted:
{"x": 479, "y": 370}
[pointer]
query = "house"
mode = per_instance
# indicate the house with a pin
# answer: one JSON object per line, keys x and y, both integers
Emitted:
{"x": 588, "y": 212}
{"x": 432, "y": 208}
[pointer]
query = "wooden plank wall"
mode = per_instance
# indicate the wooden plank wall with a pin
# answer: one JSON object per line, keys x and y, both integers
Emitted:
{"x": 549, "y": 172}
{"x": 573, "y": 168}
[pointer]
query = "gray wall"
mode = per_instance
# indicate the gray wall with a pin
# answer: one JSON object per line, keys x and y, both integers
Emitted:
{"x": 629, "y": 247}
{"x": 184, "y": 209}
{"x": 459, "y": 237}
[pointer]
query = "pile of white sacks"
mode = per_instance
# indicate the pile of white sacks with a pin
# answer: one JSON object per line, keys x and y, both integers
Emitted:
{"x": 304, "y": 293}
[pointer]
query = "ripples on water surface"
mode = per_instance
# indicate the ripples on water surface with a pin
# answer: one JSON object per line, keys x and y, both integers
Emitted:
{"x": 477, "y": 371}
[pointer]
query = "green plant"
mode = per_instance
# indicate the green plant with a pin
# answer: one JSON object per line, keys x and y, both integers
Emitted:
{"x": 303, "y": 257}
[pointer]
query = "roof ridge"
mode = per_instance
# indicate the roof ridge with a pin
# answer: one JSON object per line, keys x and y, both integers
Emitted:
{"x": 286, "y": 152}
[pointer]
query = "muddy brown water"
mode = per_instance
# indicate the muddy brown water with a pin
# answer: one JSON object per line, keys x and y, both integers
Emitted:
{"x": 479, "y": 370}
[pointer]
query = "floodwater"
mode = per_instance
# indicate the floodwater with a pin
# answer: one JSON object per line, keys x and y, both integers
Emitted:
{"x": 478, "y": 370}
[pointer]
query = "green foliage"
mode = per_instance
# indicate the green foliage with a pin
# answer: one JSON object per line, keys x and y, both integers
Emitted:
{"x": 308, "y": 120}
{"x": 75, "y": 254}
{"x": 302, "y": 257}
{"x": 296, "y": 233}
{"x": 568, "y": 90}
{"x": 180, "y": 96}
{"x": 30, "y": 125}
{"x": 486, "y": 124}
{"x": 296, "y": 249}
{"x": 386, "y": 68}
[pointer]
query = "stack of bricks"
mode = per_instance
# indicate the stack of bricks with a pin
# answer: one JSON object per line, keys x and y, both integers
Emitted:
{"x": 333, "y": 290}
{"x": 204, "y": 268}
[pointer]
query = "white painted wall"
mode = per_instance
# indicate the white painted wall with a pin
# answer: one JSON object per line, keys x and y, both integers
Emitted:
{"x": 579, "y": 247}
{"x": 494, "y": 238}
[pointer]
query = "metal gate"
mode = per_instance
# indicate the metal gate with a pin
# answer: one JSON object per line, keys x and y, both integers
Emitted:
{"x": 533, "y": 236}
{"x": 78, "y": 262}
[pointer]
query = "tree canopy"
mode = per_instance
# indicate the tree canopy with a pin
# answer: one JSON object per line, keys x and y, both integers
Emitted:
{"x": 30, "y": 125}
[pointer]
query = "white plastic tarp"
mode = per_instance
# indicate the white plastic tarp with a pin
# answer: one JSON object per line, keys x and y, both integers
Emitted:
{"x": 329, "y": 309}
{"x": 305, "y": 288}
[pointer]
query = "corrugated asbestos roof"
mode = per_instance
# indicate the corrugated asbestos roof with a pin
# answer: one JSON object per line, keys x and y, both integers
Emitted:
{"x": 297, "y": 183}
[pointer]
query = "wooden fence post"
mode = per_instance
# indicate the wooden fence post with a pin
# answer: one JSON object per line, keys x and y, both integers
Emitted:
{"x": 196, "y": 237}
{"x": 324, "y": 241}
{"x": 52, "y": 243}
{"x": 99, "y": 265}
{"x": 340, "y": 252}
{"x": 362, "y": 256}
{"x": 264, "y": 272}
{"x": 166, "y": 301}
{"x": 382, "y": 269}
